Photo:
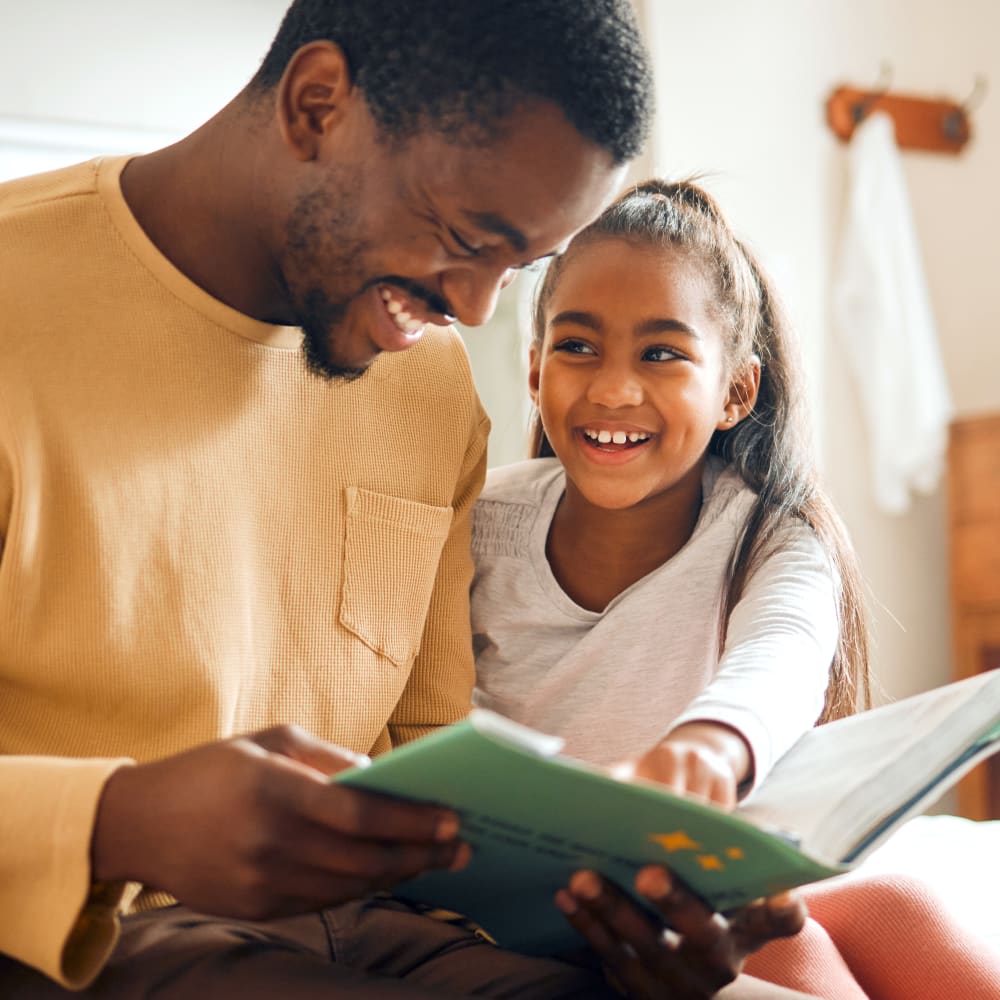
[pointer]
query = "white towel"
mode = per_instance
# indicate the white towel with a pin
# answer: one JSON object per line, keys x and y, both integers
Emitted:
{"x": 883, "y": 311}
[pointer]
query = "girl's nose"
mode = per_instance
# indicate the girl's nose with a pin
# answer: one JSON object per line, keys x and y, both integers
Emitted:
{"x": 615, "y": 387}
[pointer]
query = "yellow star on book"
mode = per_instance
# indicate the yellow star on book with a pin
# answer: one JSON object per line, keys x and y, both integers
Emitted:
{"x": 710, "y": 863}
{"x": 736, "y": 853}
{"x": 677, "y": 841}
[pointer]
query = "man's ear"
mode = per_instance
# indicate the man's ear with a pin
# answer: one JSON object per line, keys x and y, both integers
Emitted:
{"x": 742, "y": 397}
{"x": 534, "y": 372}
{"x": 313, "y": 94}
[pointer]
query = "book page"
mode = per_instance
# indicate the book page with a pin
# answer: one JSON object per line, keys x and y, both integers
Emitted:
{"x": 842, "y": 781}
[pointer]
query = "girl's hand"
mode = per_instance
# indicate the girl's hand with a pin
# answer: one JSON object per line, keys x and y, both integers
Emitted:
{"x": 690, "y": 953}
{"x": 698, "y": 758}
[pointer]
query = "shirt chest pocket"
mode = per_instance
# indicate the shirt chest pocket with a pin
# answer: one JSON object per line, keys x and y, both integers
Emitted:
{"x": 391, "y": 556}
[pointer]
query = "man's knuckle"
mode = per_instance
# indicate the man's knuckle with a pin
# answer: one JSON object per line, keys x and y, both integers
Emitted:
{"x": 286, "y": 735}
{"x": 355, "y": 813}
{"x": 252, "y": 889}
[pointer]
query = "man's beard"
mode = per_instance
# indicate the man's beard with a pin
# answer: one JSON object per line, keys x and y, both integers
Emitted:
{"x": 319, "y": 317}
{"x": 321, "y": 240}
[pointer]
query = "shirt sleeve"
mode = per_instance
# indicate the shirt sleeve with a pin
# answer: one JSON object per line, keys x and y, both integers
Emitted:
{"x": 780, "y": 644}
{"x": 439, "y": 690}
{"x": 52, "y": 916}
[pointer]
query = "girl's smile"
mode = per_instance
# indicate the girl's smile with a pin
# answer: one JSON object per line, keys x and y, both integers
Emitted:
{"x": 614, "y": 444}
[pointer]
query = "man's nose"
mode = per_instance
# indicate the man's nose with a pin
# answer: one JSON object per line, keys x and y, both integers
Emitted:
{"x": 614, "y": 387}
{"x": 472, "y": 292}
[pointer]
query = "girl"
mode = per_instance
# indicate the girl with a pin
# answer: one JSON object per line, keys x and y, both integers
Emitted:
{"x": 664, "y": 584}
{"x": 674, "y": 507}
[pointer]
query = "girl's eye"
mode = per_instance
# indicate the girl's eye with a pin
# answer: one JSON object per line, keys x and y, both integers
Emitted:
{"x": 571, "y": 346}
{"x": 661, "y": 354}
{"x": 464, "y": 245}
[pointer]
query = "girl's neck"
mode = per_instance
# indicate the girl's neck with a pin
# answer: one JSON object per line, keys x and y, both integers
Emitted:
{"x": 596, "y": 553}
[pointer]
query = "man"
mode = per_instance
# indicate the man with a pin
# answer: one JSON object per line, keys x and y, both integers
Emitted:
{"x": 201, "y": 539}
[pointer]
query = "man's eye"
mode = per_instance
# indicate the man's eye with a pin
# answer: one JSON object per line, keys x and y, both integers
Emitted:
{"x": 464, "y": 244}
{"x": 532, "y": 267}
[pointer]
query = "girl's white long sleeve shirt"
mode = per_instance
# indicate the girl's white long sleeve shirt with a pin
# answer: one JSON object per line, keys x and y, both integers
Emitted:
{"x": 613, "y": 683}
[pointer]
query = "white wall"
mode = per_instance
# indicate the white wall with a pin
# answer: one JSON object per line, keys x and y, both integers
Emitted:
{"x": 742, "y": 87}
{"x": 161, "y": 66}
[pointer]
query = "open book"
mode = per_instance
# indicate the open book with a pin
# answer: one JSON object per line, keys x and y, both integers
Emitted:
{"x": 533, "y": 817}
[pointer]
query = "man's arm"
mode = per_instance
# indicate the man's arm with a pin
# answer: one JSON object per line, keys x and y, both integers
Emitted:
{"x": 249, "y": 827}
{"x": 439, "y": 690}
{"x": 51, "y": 915}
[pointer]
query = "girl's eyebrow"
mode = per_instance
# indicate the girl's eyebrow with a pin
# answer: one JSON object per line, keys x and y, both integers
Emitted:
{"x": 576, "y": 317}
{"x": 665, "y": 325}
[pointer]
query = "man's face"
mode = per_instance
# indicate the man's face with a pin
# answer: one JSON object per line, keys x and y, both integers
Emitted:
{"x": 385, "y": 237}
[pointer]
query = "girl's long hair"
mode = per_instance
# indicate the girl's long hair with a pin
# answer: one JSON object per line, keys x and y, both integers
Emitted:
{"x": 771, "y": 448}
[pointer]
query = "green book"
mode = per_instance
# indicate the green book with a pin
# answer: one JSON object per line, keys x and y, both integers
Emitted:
{"x": 533, "y": 817}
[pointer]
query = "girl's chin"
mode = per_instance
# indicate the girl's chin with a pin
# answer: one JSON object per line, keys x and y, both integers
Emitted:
{"x": 612, "y": 500}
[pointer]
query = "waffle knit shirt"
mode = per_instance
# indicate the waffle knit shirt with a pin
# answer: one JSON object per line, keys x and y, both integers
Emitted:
{"x": 198, "y": 538}
{"x": 613, "y": 683}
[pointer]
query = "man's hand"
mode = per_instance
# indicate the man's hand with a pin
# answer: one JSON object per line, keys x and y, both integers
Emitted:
{"x": 698, "y": 758}
{"x": 251, "y": 828}
{"x": 689, "y": 955}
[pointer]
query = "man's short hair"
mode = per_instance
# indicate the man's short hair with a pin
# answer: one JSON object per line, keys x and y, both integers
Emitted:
{"x": 461, "y": 66}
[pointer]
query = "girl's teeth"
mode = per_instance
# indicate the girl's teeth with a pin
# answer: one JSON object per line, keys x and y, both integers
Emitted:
{"x": 615, "y": 437}
{"x": 414, "y": 325}
{"x": 386, "y": 295}
{"x": 393, "y": 307}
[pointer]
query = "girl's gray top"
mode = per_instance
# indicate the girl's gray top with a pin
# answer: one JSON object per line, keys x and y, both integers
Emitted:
{"x": 612, "y": 683}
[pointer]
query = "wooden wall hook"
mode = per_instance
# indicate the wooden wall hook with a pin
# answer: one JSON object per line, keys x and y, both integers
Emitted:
{"x": 935, "y": 125}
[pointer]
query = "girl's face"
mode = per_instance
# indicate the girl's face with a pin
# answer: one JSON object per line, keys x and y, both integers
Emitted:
{"x": 631, "y": 378}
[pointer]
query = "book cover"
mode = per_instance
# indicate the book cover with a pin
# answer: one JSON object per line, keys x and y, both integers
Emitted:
{"x": 533, "y": 817}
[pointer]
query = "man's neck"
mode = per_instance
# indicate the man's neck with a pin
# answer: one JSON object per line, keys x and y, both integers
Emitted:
{"x": 197, "y": 202}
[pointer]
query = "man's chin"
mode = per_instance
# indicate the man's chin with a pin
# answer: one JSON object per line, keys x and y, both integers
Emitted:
{"x": 322, "y": 364}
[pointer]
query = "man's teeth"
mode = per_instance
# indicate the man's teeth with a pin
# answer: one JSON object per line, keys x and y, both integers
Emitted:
{"x": 615, "y": 437}
{"x": 403, "y": 320}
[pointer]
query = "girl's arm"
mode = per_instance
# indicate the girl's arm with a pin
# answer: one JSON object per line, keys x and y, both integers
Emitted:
{"x": 772, "y": 677}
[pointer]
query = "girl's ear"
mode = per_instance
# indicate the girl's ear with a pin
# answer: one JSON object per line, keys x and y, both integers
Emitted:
{"x": 534, "y": 371}
{"x": 743, "y": 391}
